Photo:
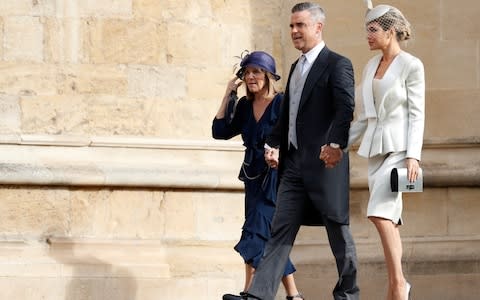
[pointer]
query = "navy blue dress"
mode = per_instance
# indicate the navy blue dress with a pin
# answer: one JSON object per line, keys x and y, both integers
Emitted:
{"x": 260, "y": 181}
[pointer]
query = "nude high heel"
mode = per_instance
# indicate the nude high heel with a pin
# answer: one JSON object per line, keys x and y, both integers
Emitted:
{"x": 408, "y": 287}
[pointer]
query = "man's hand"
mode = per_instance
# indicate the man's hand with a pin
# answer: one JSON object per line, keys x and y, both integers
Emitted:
{"x": 331, "y": 156}
{"x": 271, "y": 156}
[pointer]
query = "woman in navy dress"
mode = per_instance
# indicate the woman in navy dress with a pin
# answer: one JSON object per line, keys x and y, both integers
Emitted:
{"x": 254, "y": 116}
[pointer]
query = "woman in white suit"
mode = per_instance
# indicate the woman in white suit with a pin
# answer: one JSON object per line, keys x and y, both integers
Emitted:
{"x": 390, "y": 118}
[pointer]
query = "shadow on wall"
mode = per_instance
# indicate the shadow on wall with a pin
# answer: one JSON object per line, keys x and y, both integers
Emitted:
{"x": 86, "y": 276}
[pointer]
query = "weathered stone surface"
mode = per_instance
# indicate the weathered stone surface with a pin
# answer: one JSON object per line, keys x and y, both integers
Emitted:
{"x": 54, "y": 114}
{"x": 112, "y": 187}
{"x": 111, "y": 80}
{"x": 125, "y": 41}
{"x": 10, "y": 115}
{"x": 63, "y": 40}
{"x": 105, "y": 8}
{"x": 34, "y": 212}
{"x": 29, "y": 79}
{"x": 14, "y": 8}
{"x": 23, "y": 39}
{"x": 462, "y": 20}
{"x": 167, "y": 83}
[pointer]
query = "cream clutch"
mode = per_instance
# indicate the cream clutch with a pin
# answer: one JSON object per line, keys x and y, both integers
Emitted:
{"x": 399, "y": 181}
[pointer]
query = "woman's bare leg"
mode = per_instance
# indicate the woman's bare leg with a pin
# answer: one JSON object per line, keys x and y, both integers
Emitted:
{"x": 289, "y": 284}
{"x": 249, "y": 271}
{"x": 392, "y": 250}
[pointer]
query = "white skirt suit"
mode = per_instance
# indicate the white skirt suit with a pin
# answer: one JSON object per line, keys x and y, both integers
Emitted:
{"x": 390, "y": 116}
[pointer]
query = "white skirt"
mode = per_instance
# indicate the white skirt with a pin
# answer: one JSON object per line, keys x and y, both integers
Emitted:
{"x": 384, "y": 203}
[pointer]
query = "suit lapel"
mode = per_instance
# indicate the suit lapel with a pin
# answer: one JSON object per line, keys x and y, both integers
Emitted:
{"x": 287, "y": 88}
{"x": 319, "y": 66}
{"x": 367, "y": 92}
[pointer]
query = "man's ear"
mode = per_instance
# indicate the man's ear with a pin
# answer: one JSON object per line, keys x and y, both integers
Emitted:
{"x": 319, "y": 27}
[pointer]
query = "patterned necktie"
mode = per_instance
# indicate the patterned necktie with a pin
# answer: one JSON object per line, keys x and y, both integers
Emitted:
{"x": 302, "y": 63}
{"x": 298, "y": 72}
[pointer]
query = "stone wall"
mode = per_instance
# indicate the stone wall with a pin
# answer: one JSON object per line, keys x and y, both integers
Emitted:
{"x": 112, "y": 187}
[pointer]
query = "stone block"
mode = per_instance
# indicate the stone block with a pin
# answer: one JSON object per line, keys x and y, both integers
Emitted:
{"x": 24, "y": 288}
{"x": 63, "y": 40}
{"x": 23, "y": 39}
{"x": 449, "y": 286}
{"x": 47, "y": 7}
{"x": 446, "y": 168}
{"x": 426, "y": 213}
{"x": 29, "y": 79}
{"x": 224, "y": 211}
{"x": 465, "y": 111}
{"x": 31, "y": 212}
{"x": 105, "y": 8}
{"x": 183, "y": 119}
{"x": 167, "y": 82}
{"x": 215, "y": 90}
{"x": 318, "y": 281}
{"x": 125, "y": 41}
{"x": 193, "y": 46}
{"x": 113, "y": 115}
{"x": 15, "y": 8}
{"x": 266, "y": 41}
{"x": 151, "y": 9}
{"x": 27, "y": 269}
{"x": 461, "y": 20}
{"x": 235, "y": 39}
{"x": 199, "y": 216}
{"x": 118, "y": 214}
{"x": 179, "y": 11}
{"x": 1, "y": 36}
{"x": 93, "y": 80}
{"x": 463, "y": 209}
{"x": 10, "y": 115}
{"x": 182, "y": 288}
{"x": 180, "y": 217}
{"x": 54, "y": 114}
{"x": 443, "y": 69}
{"x": 233, "y": 12}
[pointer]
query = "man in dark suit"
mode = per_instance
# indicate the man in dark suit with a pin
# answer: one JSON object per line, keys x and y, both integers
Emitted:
{"x": 306, "y": 145}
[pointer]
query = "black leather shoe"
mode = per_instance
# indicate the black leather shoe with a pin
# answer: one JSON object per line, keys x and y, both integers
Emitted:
{"x": 247, "y": 296}
{"x": 243, "y": 295}
{"x": 299, "y": 296}
{"x": 231, "y": 297}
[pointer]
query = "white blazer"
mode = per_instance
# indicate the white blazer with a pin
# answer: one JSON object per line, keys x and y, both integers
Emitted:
{"x": 398, "y": 124}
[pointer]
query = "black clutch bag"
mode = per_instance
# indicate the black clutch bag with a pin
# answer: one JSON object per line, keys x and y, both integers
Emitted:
{"x": 399, "y": 181}
{"x": 230, "y": 110}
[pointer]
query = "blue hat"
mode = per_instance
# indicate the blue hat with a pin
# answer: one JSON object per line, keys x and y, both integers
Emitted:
{"x": 259, "y": 59}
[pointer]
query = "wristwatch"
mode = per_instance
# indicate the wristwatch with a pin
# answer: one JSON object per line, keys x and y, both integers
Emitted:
{"x": 334, "y": 145}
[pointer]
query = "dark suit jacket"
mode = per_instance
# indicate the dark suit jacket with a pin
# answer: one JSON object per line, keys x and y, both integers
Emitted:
{"x": 324, "y": 116}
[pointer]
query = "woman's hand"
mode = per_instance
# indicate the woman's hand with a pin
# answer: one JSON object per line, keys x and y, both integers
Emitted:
{"x": 412, "y": 169}
{"x": 233, "y": 85}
